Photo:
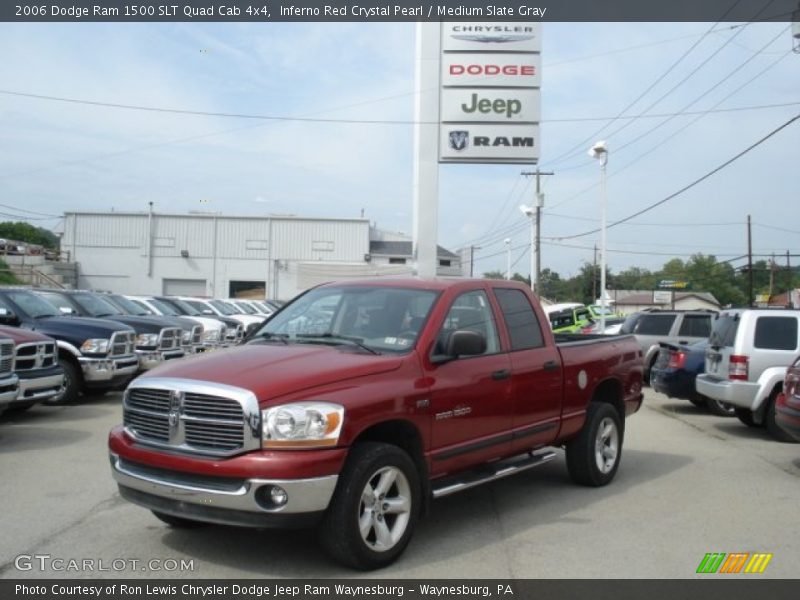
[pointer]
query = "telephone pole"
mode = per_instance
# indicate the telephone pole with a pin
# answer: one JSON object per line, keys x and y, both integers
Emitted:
{"x": 536, "y": 253}
{"x": 749, "y": 263}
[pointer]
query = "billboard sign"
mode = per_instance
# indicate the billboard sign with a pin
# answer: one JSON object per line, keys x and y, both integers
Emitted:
{"x": 499, "y": 70}
{"x": 469, "y": 142}
{"x": 490, "y": 105}
{"x": 487, "y": 36}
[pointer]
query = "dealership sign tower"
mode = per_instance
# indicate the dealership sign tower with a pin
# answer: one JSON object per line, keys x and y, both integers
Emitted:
{"x": 477, "y": 101}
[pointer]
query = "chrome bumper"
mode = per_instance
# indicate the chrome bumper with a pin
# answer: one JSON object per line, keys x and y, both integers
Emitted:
{"x": 39, "y": 388}
{"x": 150, "y": 359}
{"x": 304, "y": 495}
{"x": 106, "y": 369}
{"x": 8, "y": 389}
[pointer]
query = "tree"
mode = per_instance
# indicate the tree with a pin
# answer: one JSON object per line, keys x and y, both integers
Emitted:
{"x": 6, "y": 276}
{"x": 494, "y": 275}
{"x": 25, "y": 232}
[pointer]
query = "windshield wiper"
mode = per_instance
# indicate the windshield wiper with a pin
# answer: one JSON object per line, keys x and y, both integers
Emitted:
{"x": 356, "y": 341}
{"x": 281, "y": 337}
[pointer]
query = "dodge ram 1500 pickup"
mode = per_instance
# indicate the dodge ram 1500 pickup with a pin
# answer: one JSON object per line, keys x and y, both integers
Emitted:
{"x": 360, "y": 402}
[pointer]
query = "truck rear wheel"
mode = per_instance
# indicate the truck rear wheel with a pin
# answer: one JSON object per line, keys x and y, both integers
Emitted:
{"x": 717, "y": 407}
{"x": 177, "y": 522}
{"x": 745, "y": 415}
{"x": 593, "y": 457}
{"x": 375, "y": 508}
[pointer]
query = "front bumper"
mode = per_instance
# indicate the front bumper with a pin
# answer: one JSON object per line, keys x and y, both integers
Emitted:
{"x": 39, "y": 385}
{"x": 108, "y": 370}
{"x": 150, "y": 359}
{"x": 9, "y": 387}
{"x": 742, "y": 394}
{"x": 231, "y": 491}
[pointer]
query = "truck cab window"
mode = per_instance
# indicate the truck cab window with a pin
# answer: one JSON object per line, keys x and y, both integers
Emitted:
{"x": 473, "y": 312}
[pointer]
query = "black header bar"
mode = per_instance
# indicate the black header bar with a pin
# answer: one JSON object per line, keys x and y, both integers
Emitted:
{"x": 262, "y": 11}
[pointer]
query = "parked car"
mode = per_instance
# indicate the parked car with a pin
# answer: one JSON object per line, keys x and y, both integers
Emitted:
{"x": 571, "y": 320}
{"x": 214, "y": 331}
{"x": 95, "y": 354}
{"x": 9, "y": 382}
{"x": 787, "y": 406}
{"x": 219, "y": 308}
{"x": 252, "y": 307}
{"x": 675, "y": 371}
{"x": 156, "y": 340}
{"x": 35, "y": 363}
{"x": 411, "y": 390}
{"x": 746, "y": 361}
{"x": 191, "y": 331}
{"x": 234, "y": 333}
{"x": 651, "y": 327}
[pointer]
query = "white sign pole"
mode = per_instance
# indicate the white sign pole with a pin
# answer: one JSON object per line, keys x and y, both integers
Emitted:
{"x": 426, "y": 148}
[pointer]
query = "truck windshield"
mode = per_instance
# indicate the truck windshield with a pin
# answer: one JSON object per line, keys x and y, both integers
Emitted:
{"x": 380, "y": 318}
{"x": 129, "y": 306}
{"x": 33, "y": 306}
{"x": 96, "y": 306}
{"x": 223, "y": 307}
{"x": 165, "y": 307}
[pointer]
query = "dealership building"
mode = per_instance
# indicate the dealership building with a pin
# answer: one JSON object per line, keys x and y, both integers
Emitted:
{"x": 204, "y": 254}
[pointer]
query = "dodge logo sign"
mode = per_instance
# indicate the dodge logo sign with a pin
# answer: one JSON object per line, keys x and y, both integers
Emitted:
{"x": 459, "y": 140}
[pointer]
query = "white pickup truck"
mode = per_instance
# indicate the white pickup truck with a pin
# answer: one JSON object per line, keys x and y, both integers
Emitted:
{"x": 748, "y": 354}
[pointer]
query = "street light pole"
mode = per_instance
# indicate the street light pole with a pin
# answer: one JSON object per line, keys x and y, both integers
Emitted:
{"x": 600, "y": 152}
{"x": 534, "y": 212}
{"x": 507, "y": 242}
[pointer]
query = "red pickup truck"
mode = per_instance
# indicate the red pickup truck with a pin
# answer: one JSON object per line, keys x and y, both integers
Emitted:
{"x": 358, "y": 403}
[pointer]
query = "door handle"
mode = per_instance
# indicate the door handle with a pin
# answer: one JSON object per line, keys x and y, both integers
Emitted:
{"x": 502, "y": 374}
{"x": 550, "y": 365}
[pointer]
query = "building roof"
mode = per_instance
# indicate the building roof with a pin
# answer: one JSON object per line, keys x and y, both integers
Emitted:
{"x": 403, "y": 249}
{"x": 645, "y": 297}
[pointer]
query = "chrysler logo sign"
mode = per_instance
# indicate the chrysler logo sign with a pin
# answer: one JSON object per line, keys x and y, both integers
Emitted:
{"x": 493, "y": 34}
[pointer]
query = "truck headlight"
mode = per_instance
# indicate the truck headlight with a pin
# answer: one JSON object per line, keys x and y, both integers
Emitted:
{"x": 211, "y": 335}
{"x": 95, "y": 346}
{"x": 146, "y": 339}
{"x": 302, "y": 425}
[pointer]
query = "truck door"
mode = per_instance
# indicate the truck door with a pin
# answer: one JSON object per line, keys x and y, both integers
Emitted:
{"x": 471, "y": 400}
{"x": 536, "y": 373}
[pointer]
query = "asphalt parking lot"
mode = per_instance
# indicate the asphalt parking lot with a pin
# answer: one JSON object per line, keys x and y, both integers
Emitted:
{"x": 689, "y": 483}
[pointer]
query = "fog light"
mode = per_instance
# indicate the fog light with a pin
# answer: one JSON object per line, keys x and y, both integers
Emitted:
{"x": 278, "y": 495}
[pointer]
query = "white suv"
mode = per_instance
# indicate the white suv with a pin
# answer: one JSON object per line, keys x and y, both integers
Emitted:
{"x": 748, "y": 354}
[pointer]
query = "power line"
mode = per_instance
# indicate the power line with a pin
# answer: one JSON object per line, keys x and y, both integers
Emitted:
{"x": 690, "y": 185}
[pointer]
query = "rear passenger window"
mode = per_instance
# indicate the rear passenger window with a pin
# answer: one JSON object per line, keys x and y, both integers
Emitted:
{"x": 776, "y": 333}
{"x": 654, "y": 325}
{"x": 696, "y": 326}
{"x": 521, "y": 322}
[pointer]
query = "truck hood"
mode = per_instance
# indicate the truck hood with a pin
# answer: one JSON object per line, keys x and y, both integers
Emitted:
{"x": 271, "y": 371}
{"x": 76, "y": 327}
{"x": 22, "y": 336}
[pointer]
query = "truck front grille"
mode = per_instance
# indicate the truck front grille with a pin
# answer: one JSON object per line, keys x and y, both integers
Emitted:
{"x": 35, "y": 355}
{"x": 6, "y": 358}
{"x": 197, "y": 334}
{"x": 121, "y": 343}
{"x": 170, "y": 338}
{"x": 192, "y": 418}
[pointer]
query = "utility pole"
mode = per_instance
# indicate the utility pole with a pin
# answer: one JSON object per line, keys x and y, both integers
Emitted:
{"x": 788, "y": 273}
{"x": 749, "y": 263}
{"x": 536, "y": 250}
{"x": 771, "y": 274}
{"x": 594, "y": 276}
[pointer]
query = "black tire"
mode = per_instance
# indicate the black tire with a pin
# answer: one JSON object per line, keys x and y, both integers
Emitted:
{"x": 583, "y": 460}
{"x": 698, "y": 400}
{"x": 73, "y": 381}
{"x": 368, "y": 467}
{"x": 771, "y": 424}
{"x": 649, "y": 370}
{"x": 178, "y": 522}
{"x": 723, "y": 409}
{"x": 19, "y": 407}
{"x": 745, "y": 415}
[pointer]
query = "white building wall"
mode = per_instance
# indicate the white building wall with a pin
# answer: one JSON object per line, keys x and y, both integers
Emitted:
{"x": 113, "y": 250}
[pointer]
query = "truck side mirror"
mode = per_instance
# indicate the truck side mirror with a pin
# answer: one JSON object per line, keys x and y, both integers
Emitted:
{"x": 461, "y": 342}
{"x": 7, "y": 317}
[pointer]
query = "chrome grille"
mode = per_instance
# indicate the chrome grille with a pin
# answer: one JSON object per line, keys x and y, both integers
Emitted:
{"x": 197, "y": 334}
{"x": 192, "y": 417}
{"x": 6, "y": 357}
{"x": 170, "y": 338}
{"x": 35, "y": 355}
{"x": 121, "y": 343}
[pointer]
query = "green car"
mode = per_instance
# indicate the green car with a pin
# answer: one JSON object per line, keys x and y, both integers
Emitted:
{"x": 571, "y": 320}
{"x": 597, "y": 311}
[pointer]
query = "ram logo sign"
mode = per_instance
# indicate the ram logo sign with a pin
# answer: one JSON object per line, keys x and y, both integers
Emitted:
{"x": 734, "y": 563}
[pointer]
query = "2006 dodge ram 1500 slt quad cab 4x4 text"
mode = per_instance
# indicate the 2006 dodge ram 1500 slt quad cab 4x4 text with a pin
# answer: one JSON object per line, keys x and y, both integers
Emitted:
{"x": 357, "y": 403}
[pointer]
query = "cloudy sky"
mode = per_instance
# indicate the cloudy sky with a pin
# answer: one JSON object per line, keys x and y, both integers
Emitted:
{"x": 680, "y": 81}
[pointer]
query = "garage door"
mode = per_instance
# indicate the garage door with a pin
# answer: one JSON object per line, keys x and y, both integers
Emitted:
{"x": 184, "y": 287}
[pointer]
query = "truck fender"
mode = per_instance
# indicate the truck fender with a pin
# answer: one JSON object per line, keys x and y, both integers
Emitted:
{"x": 770, "y": 378}
{"x": 652, "y": 353}
{"x": 66, "y": 346}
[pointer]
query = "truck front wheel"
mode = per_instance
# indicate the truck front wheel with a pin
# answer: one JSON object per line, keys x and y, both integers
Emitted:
{"x": 593, "y": 457}
{"x": 71, "y": 388}
{"x": 374, "y": 510}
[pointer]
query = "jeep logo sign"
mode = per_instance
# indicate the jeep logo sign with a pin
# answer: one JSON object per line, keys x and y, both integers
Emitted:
{"x": 484, "y": 105}
{"x": 490, "y": 143}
